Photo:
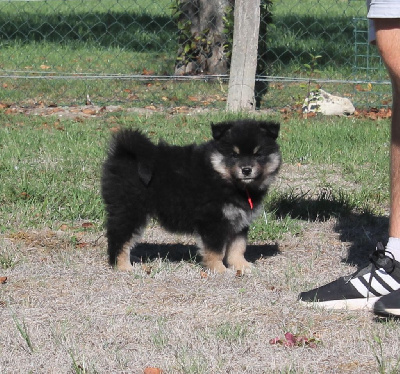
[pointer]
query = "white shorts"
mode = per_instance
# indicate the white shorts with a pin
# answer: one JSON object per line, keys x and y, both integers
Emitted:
{"x": 381, "y": 9}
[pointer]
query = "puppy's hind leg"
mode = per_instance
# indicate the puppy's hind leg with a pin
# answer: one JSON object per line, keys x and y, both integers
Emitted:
{"x": 122, "y": 237}
{"x": 124, "y": 256}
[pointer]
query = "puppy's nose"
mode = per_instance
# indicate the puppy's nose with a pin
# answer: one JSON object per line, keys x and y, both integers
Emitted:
{"x": 246, "y": 171}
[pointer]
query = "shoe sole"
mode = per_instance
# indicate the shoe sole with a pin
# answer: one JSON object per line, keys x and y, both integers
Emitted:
{"x": 349, "y": 304}
{"x": 388, "y": 313}
{"x": 380, "y": 310}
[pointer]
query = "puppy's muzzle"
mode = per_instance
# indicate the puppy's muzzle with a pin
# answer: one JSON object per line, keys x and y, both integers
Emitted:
{"x": 246, "y": 171}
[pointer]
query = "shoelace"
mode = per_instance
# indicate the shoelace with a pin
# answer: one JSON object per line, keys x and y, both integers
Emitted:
{"x": 374, "y": 257}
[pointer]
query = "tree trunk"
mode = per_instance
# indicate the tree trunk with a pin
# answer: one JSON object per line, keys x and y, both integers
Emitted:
{"x": 241, "y": 94}
{"x": 203, "y": 37}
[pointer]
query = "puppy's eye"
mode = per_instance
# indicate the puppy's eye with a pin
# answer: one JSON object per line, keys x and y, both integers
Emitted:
{"x": 236, "y": 152}
{"x": 257, "y": 151}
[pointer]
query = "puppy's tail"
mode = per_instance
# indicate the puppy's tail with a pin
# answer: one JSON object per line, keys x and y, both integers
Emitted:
{"x": 132, "y": 144}
{"x": 129, "y": 142}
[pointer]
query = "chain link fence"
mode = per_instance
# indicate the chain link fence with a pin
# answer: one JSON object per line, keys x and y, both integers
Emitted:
{"x": 123, "y": 52}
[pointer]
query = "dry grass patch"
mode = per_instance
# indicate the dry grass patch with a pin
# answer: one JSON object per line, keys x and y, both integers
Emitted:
{"x": 64, "y": 310}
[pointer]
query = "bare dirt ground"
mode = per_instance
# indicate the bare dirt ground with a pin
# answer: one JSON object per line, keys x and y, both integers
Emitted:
{"x": 64, "y": 310}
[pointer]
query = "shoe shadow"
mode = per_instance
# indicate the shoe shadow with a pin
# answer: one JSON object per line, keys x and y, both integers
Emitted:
{"x": 386, "y": 319}
{"x": 362, "y": 230}
{"x": 184, "y": 252}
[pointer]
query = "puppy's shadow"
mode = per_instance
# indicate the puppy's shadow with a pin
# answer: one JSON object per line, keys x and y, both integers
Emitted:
{"x": 257, "y": 251}
{"x": 186, "y": 252}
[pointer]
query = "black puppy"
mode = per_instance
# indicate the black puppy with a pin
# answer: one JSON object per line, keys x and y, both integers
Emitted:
{"x": 213, "y": 190}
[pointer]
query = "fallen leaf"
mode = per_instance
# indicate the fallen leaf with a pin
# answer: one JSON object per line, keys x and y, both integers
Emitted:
{"x": 275, "y": 341}
{"x": 89, "y": 111}
{"x": 181, "y": 109}
{"x": 147, "y": 72}
{"x": 291, "y": 340}
{"x": 3, "y": 280}
{"x": 360, "y": 88}
{"x": 45, "y": 67}
{"x": 203, "y": 274}
{"x": 87, "y": 224}
{"x": 11, "y": 111}
{"x": 309, "y": 115}
{"x": 151, "y": 370}
{"x": 147, "y": 269}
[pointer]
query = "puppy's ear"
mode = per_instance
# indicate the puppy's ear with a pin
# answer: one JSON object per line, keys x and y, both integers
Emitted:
{"x": 271, "y": 128}
{"x": 219, "y": 129}
{"x": 146, "y": 162}
{"x": 145, "y": 171}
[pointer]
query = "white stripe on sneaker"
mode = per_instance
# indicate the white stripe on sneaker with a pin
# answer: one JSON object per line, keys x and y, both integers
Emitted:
{"x": 388, "y": 279}
{"x": 360, "y": 287}
{"x": 375, "y": 284}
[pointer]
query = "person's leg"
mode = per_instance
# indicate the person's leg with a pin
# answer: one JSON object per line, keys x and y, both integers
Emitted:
{"x": 379, "y": 283}
{"x": 387, "y": 32}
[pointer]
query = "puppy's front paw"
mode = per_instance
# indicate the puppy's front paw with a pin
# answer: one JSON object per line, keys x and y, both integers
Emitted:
{"x": 125, "y": 267}
{"x": 217, "y": 267}
{"x": 243, "y": 266}
{"x": 213, "y": 261}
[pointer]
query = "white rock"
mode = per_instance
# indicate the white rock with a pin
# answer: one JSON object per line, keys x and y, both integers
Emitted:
{"x": 323, "y": 102}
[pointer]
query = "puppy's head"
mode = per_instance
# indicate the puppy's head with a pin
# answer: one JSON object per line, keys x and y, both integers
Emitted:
{"x": 246, "y": 152}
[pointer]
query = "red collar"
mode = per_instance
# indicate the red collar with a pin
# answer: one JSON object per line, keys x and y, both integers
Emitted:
{"x": 249, "y": 199}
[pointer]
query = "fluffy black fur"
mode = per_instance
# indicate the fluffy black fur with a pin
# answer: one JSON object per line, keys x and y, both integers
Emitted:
{"x": 213, "y": 190}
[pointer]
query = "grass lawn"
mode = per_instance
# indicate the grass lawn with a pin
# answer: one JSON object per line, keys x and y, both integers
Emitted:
{"x": 51, "y": 167}
{"x": 64, "y": 41}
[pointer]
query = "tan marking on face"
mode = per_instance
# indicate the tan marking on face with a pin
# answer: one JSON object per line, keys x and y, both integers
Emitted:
{"x": 256, "y": 149}
{"x": 235, "y": 255}
{"x": 236, "y": 150}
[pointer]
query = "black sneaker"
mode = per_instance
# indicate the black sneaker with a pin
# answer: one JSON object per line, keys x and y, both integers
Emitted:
{"x": 361, "y": 289}
{"x": 388, "y": 305}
